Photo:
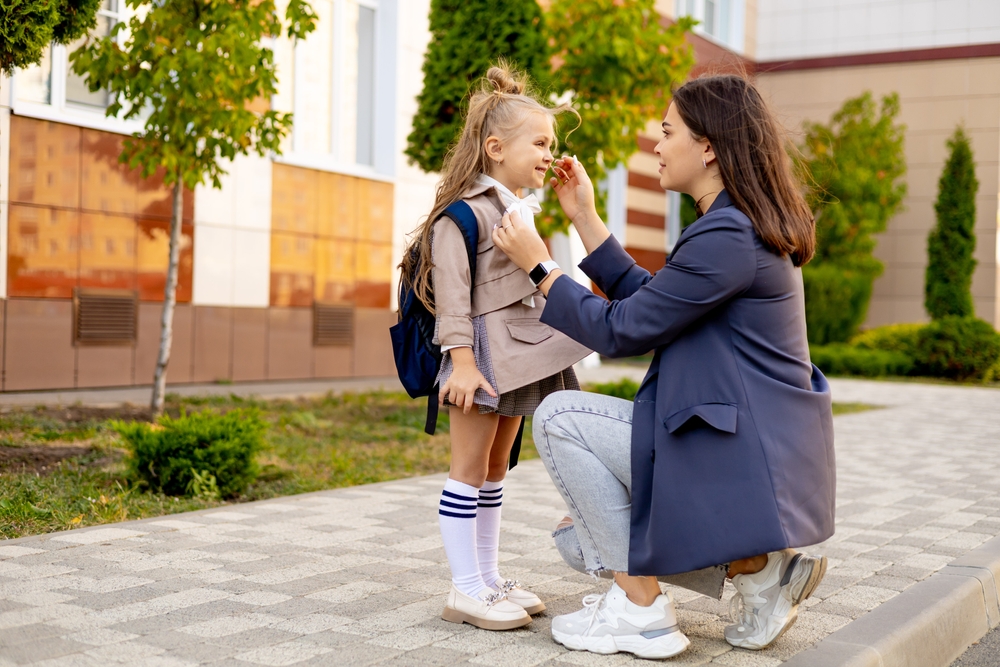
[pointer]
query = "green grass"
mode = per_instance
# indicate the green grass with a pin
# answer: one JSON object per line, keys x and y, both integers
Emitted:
{"x": 311, "y": 445}
{"x": 849, "y": 408}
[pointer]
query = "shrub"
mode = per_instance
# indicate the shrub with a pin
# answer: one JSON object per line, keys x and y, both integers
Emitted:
{"x": 892, "y": 337}
{"x": 960, "y": 348}
{"x": 841, "y": 359}
{"x": 624, "y": 388}
{"x": 182, "y": 456}
{"x": 836, "y": 302}
{"x": 948, "y": 283}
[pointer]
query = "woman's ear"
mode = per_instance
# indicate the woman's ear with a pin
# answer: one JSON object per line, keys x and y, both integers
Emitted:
{"x": 709, "y": 154}
{"x": 494, "y": 150}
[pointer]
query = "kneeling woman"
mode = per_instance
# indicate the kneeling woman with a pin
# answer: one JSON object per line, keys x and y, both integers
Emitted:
{"x": 724, "y": 462}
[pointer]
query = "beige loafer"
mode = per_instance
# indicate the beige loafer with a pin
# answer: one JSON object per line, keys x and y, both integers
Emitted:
{"x": 491, "y": 612}
{"x": 527, "y": 600}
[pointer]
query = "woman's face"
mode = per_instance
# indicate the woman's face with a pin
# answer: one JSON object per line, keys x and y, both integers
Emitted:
{"x": 680, "y": 154}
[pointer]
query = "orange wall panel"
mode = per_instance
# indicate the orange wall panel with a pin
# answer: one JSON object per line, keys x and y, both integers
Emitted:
{"x": 43, "y": 254}
{"x": 44, "y": 163}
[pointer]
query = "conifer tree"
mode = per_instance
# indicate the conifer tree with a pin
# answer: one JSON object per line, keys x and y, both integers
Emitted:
{"x": 467, "y": 36}
{"x": 27, "y": 27}
{"x": 948, "y": 283}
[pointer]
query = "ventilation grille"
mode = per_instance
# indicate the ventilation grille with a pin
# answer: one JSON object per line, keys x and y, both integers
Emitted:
{"x": 107, "y": 318}
{"x": 333, "y": 325}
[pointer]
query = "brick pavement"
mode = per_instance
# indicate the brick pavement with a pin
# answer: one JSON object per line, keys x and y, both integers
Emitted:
{"x": 358, "y": 576}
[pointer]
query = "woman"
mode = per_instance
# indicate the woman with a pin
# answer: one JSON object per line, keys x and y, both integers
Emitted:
{"x": 731, "y": 464}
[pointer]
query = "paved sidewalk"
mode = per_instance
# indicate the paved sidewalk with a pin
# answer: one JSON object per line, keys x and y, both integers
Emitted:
{"x": 358, "y": 576}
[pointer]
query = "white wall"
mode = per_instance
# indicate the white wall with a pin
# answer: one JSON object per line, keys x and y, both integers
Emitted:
{"x": 813, "y": 28}
{"x": 413, "y": 194}
{"x": 232, "y": 237}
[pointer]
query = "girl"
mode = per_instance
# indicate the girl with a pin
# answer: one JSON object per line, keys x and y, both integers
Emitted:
{"x": 499, "y": 360}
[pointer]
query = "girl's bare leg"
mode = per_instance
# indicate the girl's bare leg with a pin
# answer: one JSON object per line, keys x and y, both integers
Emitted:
{"x": 503, "y": 441}
{"x": 472, "y": 437}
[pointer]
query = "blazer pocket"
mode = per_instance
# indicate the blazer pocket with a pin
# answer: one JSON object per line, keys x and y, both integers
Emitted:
{"x": 720, "y": 416}
{"x": 529, "y": 331}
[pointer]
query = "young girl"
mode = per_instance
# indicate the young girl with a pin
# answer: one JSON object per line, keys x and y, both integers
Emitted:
{"x": 499, "y": 360}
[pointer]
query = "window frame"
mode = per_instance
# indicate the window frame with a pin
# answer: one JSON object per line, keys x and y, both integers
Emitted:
{"x": 735, "y": 22}
{"x": 58, "y": 109}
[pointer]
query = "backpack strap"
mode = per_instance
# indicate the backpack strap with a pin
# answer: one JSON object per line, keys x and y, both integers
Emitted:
{"x": 462, "y": 215}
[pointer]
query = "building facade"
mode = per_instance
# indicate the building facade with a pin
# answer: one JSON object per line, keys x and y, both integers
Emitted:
{"x": 288, "y": 270}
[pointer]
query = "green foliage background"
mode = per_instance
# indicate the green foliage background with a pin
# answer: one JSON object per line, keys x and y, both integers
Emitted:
{"x": 27, "y": 27}
{"x": 467, "y": 36}
{"x": 856, "y": 164}
{"x": 948, "y": 283}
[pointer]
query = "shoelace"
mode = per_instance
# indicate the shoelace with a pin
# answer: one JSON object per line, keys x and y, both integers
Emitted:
{"x": 594, "y": 602}
{"x": 739, "y": 613}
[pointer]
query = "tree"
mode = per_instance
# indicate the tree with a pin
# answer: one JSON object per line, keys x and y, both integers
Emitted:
{"x": 948, "y": 283}
{"x": 192, "y": 68}
{"x": 856, "y": 164}
{"x": 27, "y": 27}
{"x": 618, "y": 63}
{"x": 467, "y": 36}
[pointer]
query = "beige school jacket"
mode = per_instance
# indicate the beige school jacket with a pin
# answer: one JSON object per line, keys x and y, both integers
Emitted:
{"x": 522, "y": 349}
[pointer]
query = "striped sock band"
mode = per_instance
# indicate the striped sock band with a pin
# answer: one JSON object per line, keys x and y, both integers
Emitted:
{"x": 457, "y": 506}
{"x": 491, "y": 498}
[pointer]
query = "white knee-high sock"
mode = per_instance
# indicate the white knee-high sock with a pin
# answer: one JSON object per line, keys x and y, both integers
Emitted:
{"x": 488, "y": 531}
{"x": 457, "y": 517}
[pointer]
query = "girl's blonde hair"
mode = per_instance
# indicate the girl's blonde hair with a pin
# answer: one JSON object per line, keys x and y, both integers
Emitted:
{"x": 498, "y": 108}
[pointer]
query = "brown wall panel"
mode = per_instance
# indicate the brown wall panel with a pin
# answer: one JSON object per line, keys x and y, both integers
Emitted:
{"x": 213, "y": 335}
{"x": 289, "y": 353}
{"x": 103, "y": 365}
{"x": 372, "y": 346}
{"x": 3, "y": 314}
{"x": 249, "y": 344}
{"x": 148, "y": 345}
{"x": 333, "y": 361}
{"x": 39, "y": 350}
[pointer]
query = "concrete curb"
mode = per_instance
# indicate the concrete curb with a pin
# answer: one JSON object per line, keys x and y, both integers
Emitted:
{"x": 929, "y": 624}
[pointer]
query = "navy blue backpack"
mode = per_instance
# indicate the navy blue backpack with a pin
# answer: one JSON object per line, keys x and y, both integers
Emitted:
{"x": 417, "y": 357}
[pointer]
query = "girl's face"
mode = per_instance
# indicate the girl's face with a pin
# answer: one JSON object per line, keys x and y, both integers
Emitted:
{"x": 680, "y": 154}
{"x": 525, "y": 156}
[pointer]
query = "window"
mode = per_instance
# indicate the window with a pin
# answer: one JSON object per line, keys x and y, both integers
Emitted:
{"x": 51, "y": 91}
{"x": 333, "y": 82}
{"x": 720, "y": 20}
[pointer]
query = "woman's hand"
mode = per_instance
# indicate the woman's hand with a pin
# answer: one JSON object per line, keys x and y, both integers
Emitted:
{"x": 465, "y": 379}
{"x": 573, "y": 187}
{"x": 520, "y": 242}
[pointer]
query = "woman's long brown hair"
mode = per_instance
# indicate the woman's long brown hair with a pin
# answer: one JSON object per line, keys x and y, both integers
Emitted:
{"x": 498, "y": 108}
{"x": 749, "y": 144}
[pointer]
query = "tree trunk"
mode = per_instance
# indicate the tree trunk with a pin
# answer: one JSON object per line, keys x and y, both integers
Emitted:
{"x": 169, "y": 300}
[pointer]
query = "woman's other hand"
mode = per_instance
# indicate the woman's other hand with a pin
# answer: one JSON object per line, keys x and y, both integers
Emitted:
{"x": 465, "y": 379}
{"x": 520, "y": 242}
{"x": 573, "y": 187}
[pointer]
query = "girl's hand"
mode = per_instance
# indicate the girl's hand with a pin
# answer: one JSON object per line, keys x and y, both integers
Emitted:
{"x": 573, "y": 187}
{"x": 460, "y": 389}
{"x": 520, "y": 242}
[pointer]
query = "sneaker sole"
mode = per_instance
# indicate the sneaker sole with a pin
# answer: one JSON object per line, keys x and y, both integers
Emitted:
{"x": 455, "y": 616}
{"x": 802, "y": 590}
{"x": 665, "y": 646}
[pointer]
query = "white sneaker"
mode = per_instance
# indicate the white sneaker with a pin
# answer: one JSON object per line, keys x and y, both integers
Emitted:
{"x": 610, "y": 623}
{"x": 766, "y": 603}
{"x": 527, "y": 600}
{"x": 490, "y": 611}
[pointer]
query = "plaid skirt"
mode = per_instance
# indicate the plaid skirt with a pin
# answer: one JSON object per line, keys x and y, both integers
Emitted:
{"x": 520, "y": 402}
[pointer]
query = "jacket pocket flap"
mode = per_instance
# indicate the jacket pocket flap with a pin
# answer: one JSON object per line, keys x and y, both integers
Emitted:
{"x": 528, "y": 330}
{"x": 721, "y": 416}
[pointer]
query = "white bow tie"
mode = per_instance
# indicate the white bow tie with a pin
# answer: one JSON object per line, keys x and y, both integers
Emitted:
{"x": 530, "y": 202}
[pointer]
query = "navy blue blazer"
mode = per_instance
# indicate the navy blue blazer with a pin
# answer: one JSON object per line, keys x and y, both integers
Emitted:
{"x": 732, "y": 429}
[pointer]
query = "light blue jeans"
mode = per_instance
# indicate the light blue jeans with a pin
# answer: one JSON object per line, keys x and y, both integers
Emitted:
{"x": 584, "y": 440}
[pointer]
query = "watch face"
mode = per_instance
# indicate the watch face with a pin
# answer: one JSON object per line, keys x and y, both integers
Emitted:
{"x": 538, "y": 274}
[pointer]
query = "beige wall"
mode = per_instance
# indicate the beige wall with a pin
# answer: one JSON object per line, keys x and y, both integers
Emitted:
{"x": 935, "y": 96}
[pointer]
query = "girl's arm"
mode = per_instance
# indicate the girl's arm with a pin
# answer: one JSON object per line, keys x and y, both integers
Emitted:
{"x": 453, "y": 304}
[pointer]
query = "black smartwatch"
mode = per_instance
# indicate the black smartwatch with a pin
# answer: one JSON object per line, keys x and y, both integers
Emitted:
{"x": 541, "y": 272}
